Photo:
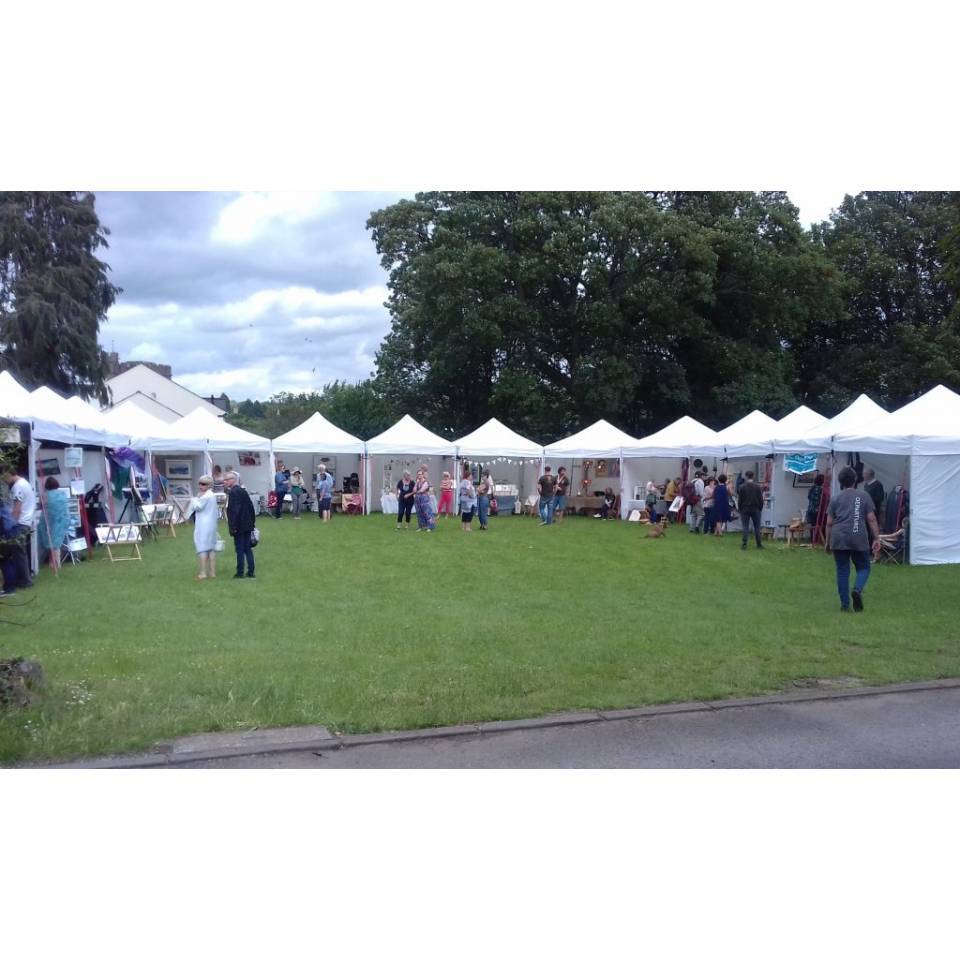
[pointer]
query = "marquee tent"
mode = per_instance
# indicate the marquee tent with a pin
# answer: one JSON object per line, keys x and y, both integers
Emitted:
{"x": 661, "y": 455}
{"x": 685, "y": 437}
{"x": 196, "y": 437}
{"x": 819, "y": 437}
{"x": 326, "y": 443}
{"x": 927, "y": 430}
{"x": 600, "y": 439}
{"x": 318, "y": 434}
{"x": 405, "y": 439}
{"x": 750, "y": 436}
{"x": 503, "y": 451}
{"x": 80, "y": 424}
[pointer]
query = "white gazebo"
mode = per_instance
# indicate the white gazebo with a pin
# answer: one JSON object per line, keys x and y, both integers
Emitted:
{"x": 505, "y": 453}
{"x": 404, "y": 446}
{"x": 596, "y": 448}
{"x": 662, "y": 454}
{"x": 926, "y": 431}
{"x": 186, "y": 448}
{"x": 323, "y": 442}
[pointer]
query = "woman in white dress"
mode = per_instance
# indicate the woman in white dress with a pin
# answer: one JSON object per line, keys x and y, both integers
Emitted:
{"x": 205, "y": 516}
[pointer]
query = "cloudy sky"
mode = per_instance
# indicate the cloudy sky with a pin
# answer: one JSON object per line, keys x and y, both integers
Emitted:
{"x": 253, "y": 293}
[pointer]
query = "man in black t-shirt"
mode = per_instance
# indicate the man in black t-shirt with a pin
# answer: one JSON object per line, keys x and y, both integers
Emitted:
{"x": 851, "y": 527}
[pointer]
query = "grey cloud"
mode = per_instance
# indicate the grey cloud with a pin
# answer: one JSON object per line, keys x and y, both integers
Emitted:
{"x": 161, "y": 253}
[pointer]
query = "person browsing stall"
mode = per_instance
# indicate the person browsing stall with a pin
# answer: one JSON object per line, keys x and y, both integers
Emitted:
{"x": 324, "y": 493}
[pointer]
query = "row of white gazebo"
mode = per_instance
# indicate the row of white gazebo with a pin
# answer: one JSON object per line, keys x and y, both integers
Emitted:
{"x": 917, "y": 447}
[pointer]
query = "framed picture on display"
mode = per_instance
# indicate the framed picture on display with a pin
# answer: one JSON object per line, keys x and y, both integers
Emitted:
{"x": 50, "y": 467}
{"x": 804, "y": 479}
{"x": 179, "y": 469}
{"x": 180, "y": 488}
{"x": 248, "y": 458}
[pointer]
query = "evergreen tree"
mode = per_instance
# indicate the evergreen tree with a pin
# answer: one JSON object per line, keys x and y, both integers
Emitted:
{"x": 54, "y": 291}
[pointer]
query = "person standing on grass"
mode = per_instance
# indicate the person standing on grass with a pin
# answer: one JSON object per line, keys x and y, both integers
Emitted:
{"x": 324, "y": 493}
{"x": 721, "y": 506}
{"x": 468, "y": 499}
{"x": 693, "y": 498}
{"x": 16, "y": 566}
{"x": 650, "y": 500}
{"x": 205, "y": 516}
{"x": 709, "y": 495}
{"x": 484, "y": 493}
{"x": 851, "y": 527}
{"x": 297, "y": 490}
{"x": 406, "y": 490}
{"x": 445, "y": 506}
{"x": 281, "y": 486}
{"x": 560, "y": 494}
{"x": 750, "y": 505}
{"x": 241, "y": 520}
{"x": 547, "y": 486}
{"x": 425, "y": 520}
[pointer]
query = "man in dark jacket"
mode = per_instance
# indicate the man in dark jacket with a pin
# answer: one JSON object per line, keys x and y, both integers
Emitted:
{"x": 875, "y": 488}
{"x": 750, "y": 505}
{"x": 241, "y": 519}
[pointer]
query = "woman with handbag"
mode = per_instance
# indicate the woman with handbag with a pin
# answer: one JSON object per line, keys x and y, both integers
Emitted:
{"x": 205, "y": 536}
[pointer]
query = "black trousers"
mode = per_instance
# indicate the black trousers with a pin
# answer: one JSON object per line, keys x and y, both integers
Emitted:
{"x": 746, "y": 518}
{"x": 243, "y": 543}
{"x": 404, "y": 506}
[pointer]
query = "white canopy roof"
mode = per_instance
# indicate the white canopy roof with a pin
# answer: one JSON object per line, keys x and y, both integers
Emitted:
{"x": 408, "y": 436}
{"x": 819, "y": 438}
{"x": 750, "y": 436}
{"x": 600, "y": 439}
{"x": 494, "y": 439}
{"x": 82, "y": 424}
{"x": 929, "y": 425}
{"x": 685, "y": 437}
{"x": 199, "y": 430}
{"x": 133, "y": 421}
{"x": 318, "y": 435}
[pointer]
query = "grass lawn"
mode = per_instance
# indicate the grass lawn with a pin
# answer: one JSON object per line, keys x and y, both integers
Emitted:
{"x": 360, "y": 627}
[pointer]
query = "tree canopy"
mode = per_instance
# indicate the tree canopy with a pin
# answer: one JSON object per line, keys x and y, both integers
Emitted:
{"x": 54, "y": 290}
{"x": 549, "y": 310}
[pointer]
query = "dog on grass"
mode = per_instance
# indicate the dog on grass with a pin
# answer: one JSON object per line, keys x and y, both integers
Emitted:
{"x": 657, "y": 530}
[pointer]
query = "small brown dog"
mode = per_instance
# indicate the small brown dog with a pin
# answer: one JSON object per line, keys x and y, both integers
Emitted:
{"x": 657, "y": 530}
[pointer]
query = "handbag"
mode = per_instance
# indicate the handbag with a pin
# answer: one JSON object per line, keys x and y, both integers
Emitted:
{"x": 218, "y": 546}
{"x": 254, "y": 537}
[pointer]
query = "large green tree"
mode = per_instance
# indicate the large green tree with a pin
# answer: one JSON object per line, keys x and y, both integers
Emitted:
{"x": 549, "y": 310}
{"x": 897, "y": 334}
{"x": 54, "y": 290}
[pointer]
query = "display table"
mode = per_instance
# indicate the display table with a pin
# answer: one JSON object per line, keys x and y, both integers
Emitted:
{"x": 388, "y": 503}
{"x": 590, "y": 503}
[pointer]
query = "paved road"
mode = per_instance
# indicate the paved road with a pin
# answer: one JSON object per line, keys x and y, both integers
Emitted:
{"x": 915, "y": 729}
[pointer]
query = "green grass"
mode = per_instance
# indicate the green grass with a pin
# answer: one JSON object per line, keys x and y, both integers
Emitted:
{"x": 359, "y": 627}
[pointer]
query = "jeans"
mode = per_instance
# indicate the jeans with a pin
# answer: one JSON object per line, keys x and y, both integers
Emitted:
{"x": 746, "y": 518}
{"x": 861, "y": 560}
{"x": 244, "y": 547}
{"x": 695, "y": 515}
{"x": 297, "y": 503}
{"x": 483, "y": 509}
{"x": 708, "y": 521}
{"x": 278, "y": 512}
{"x": 546, "y": 509}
